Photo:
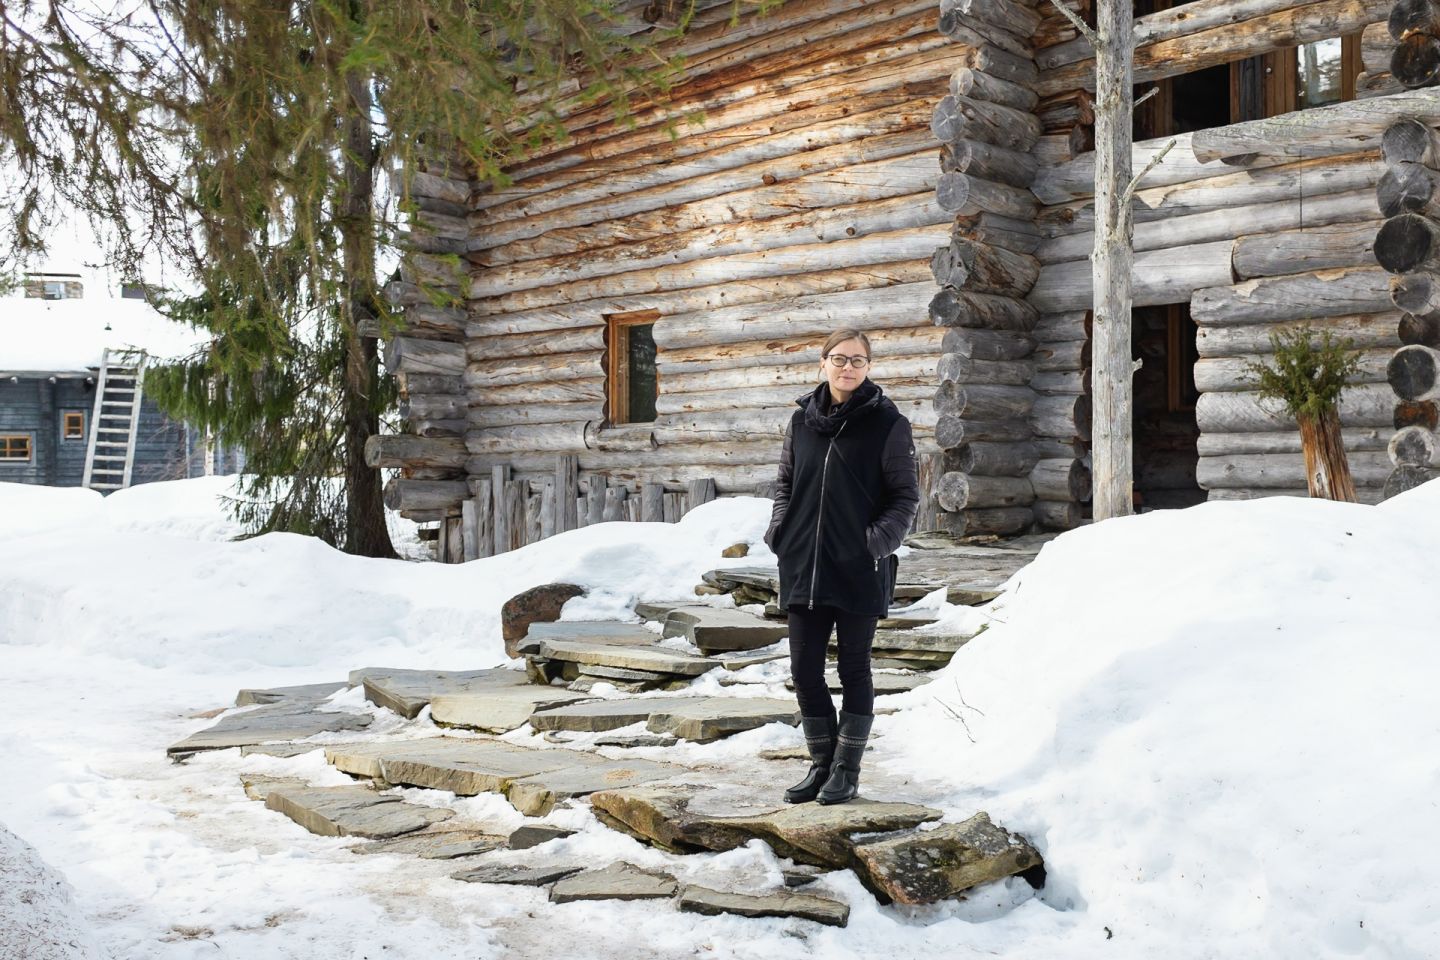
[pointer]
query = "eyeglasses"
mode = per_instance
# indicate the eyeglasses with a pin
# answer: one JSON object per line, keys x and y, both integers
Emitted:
{"x": 839, "y": 360}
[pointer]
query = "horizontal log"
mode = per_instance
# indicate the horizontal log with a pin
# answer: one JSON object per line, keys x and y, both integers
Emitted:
{"x": 481, "y": 394}
{"x": 799, "y": 374}
{"x": 978, "y": 85}
{"x": 1061, "y": 382}
{"x": 694, "y": 453}
{"x": 987, "y": 522}
{"x": 1416, "y": 293}
{"x": 1317, "y": 131}
{"x": 1414, "y": 446}
{"x": 1056, "y": 515}
{"x": 1159, "y": 276}
{"x": 1422, "y": 329}
{"x": 985, "y": 458}
{"x": 433, "y": 406}
{"x": 401, "y": 450}
{"x": 1383, "y": 84}
{"x": 952, "y": 432}
{"x": 444, "y": 495}
{"x": 1409, "y": 140}
{"x": 1363, "y": 494}
{"x": 1366, "y": 330}
{"x": 981, "y": 268}
{"x": 1408, "y": 187}
{"x": 955, "y": 308}
{"x": 988, "y": 162}
{"x": 1376, "y": 45}
{"x": 1066, "y": 355}
{"x": 507, "y": 371}
{"x": 631, "y": 437}
{"x": 1417, "y": 413}
{"x": 402, "y": 294}
{"x": 962, "y": 118}
{"x": 885, "y": 346}
{"x": 1281, "y": 470}
{"x": 1017, "y": 236}
{"x": 1231, "y": 373}
{"x": 577, "y": 340}
{"x": 983, "y": 402}
{"x": 552, "y": 437}
{"x": 1307, "y": 248}
{"x": 510, "y": 415}
{"x": 1061, "y": 480}
{"x": 1017, "y": 17}
{"x": 1285, "y": 441}
{"x": 1413, "y": 372}
{"x": 1416, "y": 60}
{"x": 1059, "y": 327}
{"x": 1065, "y": 416}
{"x": 1325, "y": 293}
{"x": 413, "y": 355}
{"x": 444, "y": 383}
{"x": 987, "y": 344}
{"x": 1363, "y": 405}
{"x": 962, "y": 370}
{"x": 1408, "y": 242}
{"x": 965, "y": 195}
{"x": 962, "y": 491}
{"x": 917, "y": 390}
{"x": 1404, "y": 478}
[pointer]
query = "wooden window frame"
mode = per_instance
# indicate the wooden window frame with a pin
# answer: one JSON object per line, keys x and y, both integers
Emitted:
{"x": 1282, "y": 92}
{"x": 617, "y": 363}
{"x": 69, "y": 416}
{"x": 9, "y": 440}
{"x": 1176, "y": 350}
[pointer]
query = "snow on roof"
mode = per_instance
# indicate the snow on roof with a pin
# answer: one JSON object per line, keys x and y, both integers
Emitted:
{"x": 69, "y": 336}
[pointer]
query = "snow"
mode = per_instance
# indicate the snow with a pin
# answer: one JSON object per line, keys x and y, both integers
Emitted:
{"x": 1215, "y": 723}
{"x": 38, "y": 917}
{"x": 57, "y": 336}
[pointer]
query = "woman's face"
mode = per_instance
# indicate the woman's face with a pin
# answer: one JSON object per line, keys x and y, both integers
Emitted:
{"x": 846, "y": 378}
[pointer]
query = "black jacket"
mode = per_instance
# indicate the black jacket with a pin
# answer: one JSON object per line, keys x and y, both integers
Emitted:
{"x": 846, "y": 495}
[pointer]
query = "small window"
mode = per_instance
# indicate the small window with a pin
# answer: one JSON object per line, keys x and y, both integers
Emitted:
{"x": 74, "y": 426}
{"x": 133, "y": 291}
{"x": 53, "y": 290}
{"x": 14, "y": 448}
{"x": 630, "y": 366}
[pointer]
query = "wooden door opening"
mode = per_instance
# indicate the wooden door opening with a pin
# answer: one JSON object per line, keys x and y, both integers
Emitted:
{"x": 1165, "y": 430}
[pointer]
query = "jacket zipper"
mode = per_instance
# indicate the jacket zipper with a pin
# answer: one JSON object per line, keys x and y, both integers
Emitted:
{"x": 820, "y": 514}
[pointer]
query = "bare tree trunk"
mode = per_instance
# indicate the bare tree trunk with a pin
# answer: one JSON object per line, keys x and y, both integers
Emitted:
{"x": 365, "y": 531}
{"x": 1327, "y": 469}
{"x": 1112, "y": 263}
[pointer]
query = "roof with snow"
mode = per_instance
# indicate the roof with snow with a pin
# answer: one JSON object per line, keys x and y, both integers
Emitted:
{"x": 69, "y": 336}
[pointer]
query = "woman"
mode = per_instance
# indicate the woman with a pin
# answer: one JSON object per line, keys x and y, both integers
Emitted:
{"x": 845, "y": 497}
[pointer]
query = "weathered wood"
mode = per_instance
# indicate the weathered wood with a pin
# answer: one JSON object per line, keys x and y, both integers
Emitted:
{"x": 469, "y": 530}
{"x": 575, "y": 340}
{"x": 1306, "y": 248}
{"x": 957, "y": 118}
{"x": 614, "y": 504}
{"x": 1057, "y": 327}
{"x": 1317, "y": 131}
{"x": 1366, "y": 330}
{"x": 1061, "y": 415}
{"x": 1406, "y": 478}
{"x": 1416, "y": 60}
{"x": 978, "y": 85}
{"x": 1423, "y": 329}
{"x": 962, "y": 370}
{"x": 420, "y": 406}
{"x": 481, "y": 394}
{"x": 1281, "y": 470}
{"x": 998, "y": 63}
{"x": 432, "y": 383}
{"x": 595, "y": 499}
{"x": 963, "y": 491}
{"x": 1408, "y": 242}
{"x": 1062, "y": 382}
{"x": 547, "y": 510}
{"x": 413, "y": 355}
{"x": 799, "y": 374}
{"x": 981, "y": 268}
{"x": 1017, "y": 236}
{"x": 1417, "y": 413}
{"x": 652, "y": 502}
{"x": 699, "y": 491}
{"x": 1383, "y": 84}
{"x": 1326, "y": 293}
{"x": 1363, "y": 405}
{"x": 783, "y": 395}
{"x": 403, "y": 450}
{"x": 507, "y": 371}
{"x": 1414, "y": 372}
{"x": 1409, "y": 140}
{"x": 401, "y": 494}
{"x": 987, "y": 344}
{"x": 1158, "y": 276}
{"x": 955, "y": 308}
{"x": 966, "y": 195}
{"x": 1283, "y": 441}
{"x": 989, "y": 402}
{"x": 485, "y": 515}
{"x": 991, "y": 459}
{"x": 988, "y": 162}
{"x": 1067, "y": 355}
{"x": 559, "y": 437}
{"x": 1055, "y": 515}
{"x": 1408, "y": 188}
{"x": 500, "y": 508}
{"x": 537, "y": 412}
{"x": 567, "y": 485}
{"x": 1376, "y": 45}
{"x": 1186, "y": 53}
{"x": 1018, "y": 18}
{"x": 1407, "y": 16}
{"x": 922, "y": 340}
{"x": 1061, "y": 480}
{"x": 634, "y": 437}
{"x": 1413, "y": 446}
{"x": 1230, "y": 373}
{"x": 997, "y": 521}
{"x": 951, "y": 432}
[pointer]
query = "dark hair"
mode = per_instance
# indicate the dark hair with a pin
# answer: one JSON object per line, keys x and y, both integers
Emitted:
{"x": 840, "y": 336}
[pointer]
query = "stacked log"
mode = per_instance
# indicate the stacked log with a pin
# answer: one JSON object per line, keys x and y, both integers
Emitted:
{"x": 992, "y": 469}
{"x": 1414, "y": 26}
{"x": 1408, "y": 245}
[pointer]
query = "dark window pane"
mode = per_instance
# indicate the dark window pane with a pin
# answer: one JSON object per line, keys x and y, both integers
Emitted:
{"x": 641, "y": 375}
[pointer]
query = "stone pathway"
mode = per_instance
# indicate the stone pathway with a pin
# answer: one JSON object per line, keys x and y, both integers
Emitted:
{"x": 585, "y": 685}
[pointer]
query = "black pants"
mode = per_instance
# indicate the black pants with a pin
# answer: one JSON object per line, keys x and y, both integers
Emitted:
{"x": 809, "y": 637}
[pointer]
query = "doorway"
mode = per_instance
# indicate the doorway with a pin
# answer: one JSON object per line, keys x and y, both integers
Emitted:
{"x": 1165, "y": 431}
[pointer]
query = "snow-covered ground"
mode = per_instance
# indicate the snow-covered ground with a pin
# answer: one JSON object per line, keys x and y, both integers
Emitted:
{"x": 1216, "y": 724}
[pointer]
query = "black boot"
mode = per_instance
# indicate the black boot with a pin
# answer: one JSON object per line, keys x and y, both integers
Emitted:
{"x": 844, "y": 782}
{"x": 820, "y": 740}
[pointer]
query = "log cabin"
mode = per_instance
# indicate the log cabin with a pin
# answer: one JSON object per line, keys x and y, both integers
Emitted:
{"x": 633, "y": 317}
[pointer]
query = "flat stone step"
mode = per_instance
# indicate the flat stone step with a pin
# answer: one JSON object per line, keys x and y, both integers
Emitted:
{"x": 685, "y": 818}
{"x": 719, "y": 630}
{"x": 517, "y": 874}
{"x": 308, "y": 691}
{"x": 350, "y": 811}
{"x": 619, "y": 881}
{"x": 884, "y": 683}
{"x": 279, "y": 749}
{"x": 933, "y": 865}
{"x": 432, "y": 844}
{"x": 777, "y": 903}
{"x": 650, "y": 657}
{"x": 407, "y": 692}
{"x": 701, "y": 719}
{"x": 499, "y": 709}
{"x": 905, "y": 621}
{"x": 739, "y": 661}
{"x": 532, "y": 779}
{"x": 533, "y": 835}
{"x": 286, "y": 720}
{"x": 590, "y": 631}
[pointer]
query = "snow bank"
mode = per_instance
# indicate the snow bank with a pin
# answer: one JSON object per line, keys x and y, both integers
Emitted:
{"x": 72, "y": 335}
{"x": 1217, "y": 724}
{"x": 38, "y": 917}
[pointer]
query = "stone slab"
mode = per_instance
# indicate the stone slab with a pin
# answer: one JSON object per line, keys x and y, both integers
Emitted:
{"x": 593, "y": 631}
{"x": 931, "y": 865}
{"x": 685, "y": 817}
{"x": 629, "y": 740}
{"x": 282, "y": 750}
{"x": 936, "y": 643}
{"x": 884, "y": 683}
{"x": 408, "y": 691}
{"x": 593, "y": 716}
{"x": 537, "y": 795}
{"x": 498, "y": 709}
{"x": 905, "y": 621}
{"x": 701, "y": 719}
{"x": 619, "y": 881}
{"x": 716, "y": 629}
{"x": 351, "y": 811}
{"x": 657, "y": 610}
{"x": 286, "y": 720}
{"x": 649, "y": 657}
{"x": 307, "y": 691}
{"x": 739, "y": 661}
{"x": 535, "y": 834}
{"x": 538, "y": 604}
{"x": 436, "y": 844}
{"x": 778, "y": 903}
{"x": 258, "y": 785}
{"x": 517, "y": 874}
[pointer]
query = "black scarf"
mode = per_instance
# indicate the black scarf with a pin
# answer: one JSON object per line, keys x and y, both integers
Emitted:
{"x": 825, "y": 419}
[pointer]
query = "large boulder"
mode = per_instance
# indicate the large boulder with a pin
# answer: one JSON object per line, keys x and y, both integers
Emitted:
{"x": 540, "y": 604}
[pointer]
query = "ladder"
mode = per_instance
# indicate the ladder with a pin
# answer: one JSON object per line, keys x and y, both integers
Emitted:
{"x": 110, "y": 452}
